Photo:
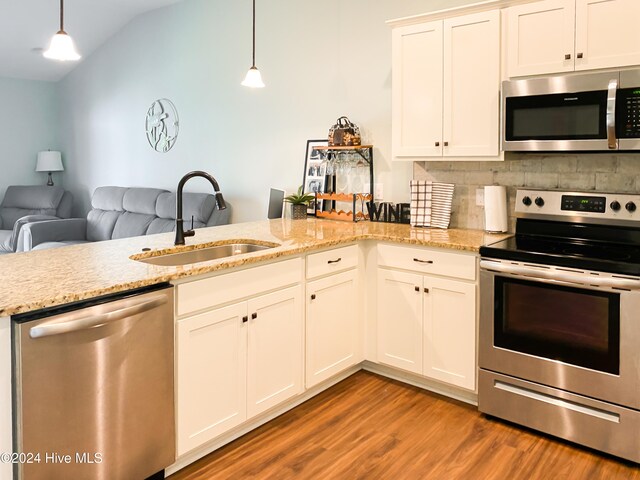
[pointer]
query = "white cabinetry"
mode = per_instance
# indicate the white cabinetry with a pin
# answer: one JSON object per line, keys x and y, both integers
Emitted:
{"x": 445, "y": 88}
{"x": 237, "y": 360}
{"x": 555, "y": 36}
{"x": 334, "y": 336}
{"x": 275, "y": 352}
{"x": 212, "y": 375}
{"x": 5, "y": 395}
{"x": 607, "y": 33}
{"x": 426, "y": 322}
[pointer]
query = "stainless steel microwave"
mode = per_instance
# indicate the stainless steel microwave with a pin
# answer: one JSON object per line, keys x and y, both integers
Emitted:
{"x": 578, "y": 112}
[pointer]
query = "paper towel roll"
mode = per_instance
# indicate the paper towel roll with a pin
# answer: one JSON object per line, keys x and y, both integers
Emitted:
{"x": 495, "y": 209}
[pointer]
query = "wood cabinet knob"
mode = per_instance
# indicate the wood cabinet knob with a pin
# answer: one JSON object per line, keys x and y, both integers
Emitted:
{"x": 567, "y": 56}
{"x": 313, "y": 296}
{"x": 580, "y": 55}
{"x": 446, "y": 144}
{"x": 437, "y": 144}
{"x": 254, "y": 316}
{"x": 245, "y": 319}
{"x": 417, "y": 289}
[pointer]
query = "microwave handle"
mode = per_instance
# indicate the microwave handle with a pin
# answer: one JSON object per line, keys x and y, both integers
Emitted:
{"x": 611, "y": 114}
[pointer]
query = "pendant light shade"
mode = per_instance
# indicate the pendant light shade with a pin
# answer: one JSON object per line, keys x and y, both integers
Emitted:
{"x": 253, "y": 79}
{"x": 62, "y": 46}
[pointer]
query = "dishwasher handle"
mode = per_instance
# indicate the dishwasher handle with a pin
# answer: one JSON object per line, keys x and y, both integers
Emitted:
{"x": 55, "y": 327}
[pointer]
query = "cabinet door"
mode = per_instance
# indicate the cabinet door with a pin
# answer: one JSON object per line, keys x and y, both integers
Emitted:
{"x": 333, "y": 327}
{"x": 275, "y": 355}
{"x": 540, "y": 36}
{"x": 211, "y": 375}
{"x": 417, "y": 91}
{"x": 472, "y": 85}
{"x": 400, "y": 320}
{"x": 607, "y": 33}
{"x": 450, "y": 331}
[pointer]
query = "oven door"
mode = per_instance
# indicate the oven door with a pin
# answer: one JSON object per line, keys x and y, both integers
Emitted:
{"x": 570, "y": 330}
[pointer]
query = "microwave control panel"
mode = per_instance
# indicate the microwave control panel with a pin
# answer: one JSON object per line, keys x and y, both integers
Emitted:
{"x": 628, "y": 113}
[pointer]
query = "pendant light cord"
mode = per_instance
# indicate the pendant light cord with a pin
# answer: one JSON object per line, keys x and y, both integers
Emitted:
{"x": 254, "y": 34}
{"x": 62, "y": 15}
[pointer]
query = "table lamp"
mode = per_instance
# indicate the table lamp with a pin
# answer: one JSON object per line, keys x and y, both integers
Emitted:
{"x": 49, "y": 162}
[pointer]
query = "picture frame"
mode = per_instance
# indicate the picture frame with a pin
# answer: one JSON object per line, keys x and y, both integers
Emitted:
{"x": 313, "y": 179}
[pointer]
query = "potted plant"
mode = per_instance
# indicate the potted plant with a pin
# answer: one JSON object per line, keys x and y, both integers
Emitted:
{"x": 299, "y": 203}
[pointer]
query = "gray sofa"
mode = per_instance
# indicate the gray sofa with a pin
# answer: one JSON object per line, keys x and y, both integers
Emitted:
{"x": 23, "y": 204}
{"x": 119, "y": 212}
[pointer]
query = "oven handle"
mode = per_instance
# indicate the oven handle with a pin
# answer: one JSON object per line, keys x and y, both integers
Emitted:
{"x": 611, "y": 114}
{"x": 575, "y": 278}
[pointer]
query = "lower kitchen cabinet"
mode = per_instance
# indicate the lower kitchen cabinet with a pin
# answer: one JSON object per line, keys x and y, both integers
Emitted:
{"x": 400, "y": 320}
{"x": 333, "y": 326}
{"x": 449, "y": 316}
{"x": 211, "y": 375}
{"x": 426, "y": 324}
{"x": 235, "y": 362}
{"x": 276, "y": 349}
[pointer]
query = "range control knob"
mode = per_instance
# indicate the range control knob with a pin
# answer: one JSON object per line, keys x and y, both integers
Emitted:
{"x": 526, "y": 201}
{"x": 630, "y": 206}
{"x": 615, "y": 205}
{"x": 539, "y": 201}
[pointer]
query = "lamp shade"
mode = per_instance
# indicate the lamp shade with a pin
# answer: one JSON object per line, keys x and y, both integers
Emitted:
{"x": 62, "y": 48}
{"x": 253, "y": 79}
{"x": 49, "y": 162}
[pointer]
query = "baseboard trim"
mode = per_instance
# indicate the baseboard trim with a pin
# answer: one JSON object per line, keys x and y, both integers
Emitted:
{"x": 462, "y": 395}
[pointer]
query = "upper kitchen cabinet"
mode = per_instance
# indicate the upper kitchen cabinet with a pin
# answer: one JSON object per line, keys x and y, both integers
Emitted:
{"x": 445, "y": 88}
{"x": 540, "y": 38}
{"x": 555, "y": 36}
{"x": 607, "y": 33}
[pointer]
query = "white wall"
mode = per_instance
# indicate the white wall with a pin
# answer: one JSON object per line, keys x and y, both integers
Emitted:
{"x": 28, "y": 124}
{"x": 319, "y": 60}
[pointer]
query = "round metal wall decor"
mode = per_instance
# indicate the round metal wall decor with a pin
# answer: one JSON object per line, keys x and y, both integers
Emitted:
{"x": 162, "y": 125}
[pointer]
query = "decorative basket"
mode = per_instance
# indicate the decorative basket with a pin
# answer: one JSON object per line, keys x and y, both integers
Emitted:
{"x": 344, "y": 134}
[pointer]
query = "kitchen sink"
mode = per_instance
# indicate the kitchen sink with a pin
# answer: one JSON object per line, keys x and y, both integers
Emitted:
{"x": 204, "y": 254}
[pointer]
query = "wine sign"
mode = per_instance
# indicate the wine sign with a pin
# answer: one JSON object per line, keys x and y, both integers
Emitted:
{"x": 389, "y": 212}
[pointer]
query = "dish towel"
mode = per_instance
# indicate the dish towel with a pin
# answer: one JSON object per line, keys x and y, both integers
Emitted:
{"x": 431, "y": 203}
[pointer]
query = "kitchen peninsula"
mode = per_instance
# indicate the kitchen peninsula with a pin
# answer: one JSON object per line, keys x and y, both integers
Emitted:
{"x": 376, "y": 261}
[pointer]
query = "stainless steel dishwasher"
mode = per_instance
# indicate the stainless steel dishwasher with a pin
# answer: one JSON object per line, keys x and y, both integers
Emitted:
{"x": 93, "y": 388}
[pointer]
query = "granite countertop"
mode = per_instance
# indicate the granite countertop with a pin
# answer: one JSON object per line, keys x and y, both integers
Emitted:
{"x": 34, "y": 280}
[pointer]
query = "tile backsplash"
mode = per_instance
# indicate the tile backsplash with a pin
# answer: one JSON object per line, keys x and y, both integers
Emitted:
{"x": 578, "y": 172}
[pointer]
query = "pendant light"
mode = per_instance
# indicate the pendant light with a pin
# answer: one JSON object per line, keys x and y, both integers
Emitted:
{"x": 253, "y": 78}
{"x": 62, "y": 47}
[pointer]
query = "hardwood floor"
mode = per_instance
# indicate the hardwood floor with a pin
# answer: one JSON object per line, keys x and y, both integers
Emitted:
{"x": 370, "y": 427}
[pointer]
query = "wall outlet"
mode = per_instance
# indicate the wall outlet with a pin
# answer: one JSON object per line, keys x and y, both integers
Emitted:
{"x": 480, "y": 197}
{"x": 378, "y": 194}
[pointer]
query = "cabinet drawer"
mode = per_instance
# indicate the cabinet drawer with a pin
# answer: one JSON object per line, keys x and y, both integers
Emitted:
{"x": 428, "y": 260}
{"x": 209, "y": 292}
{"x": 332, "y": 261}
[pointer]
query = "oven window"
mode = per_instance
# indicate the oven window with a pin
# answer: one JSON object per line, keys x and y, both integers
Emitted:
{"x": 576, "y": 326}
{"x": 579, "y": 116}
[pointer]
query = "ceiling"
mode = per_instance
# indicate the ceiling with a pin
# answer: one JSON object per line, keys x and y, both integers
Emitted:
{"x": 29, "y": 24}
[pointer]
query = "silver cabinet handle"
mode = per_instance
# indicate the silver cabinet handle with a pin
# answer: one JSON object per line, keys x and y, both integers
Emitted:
{"x": 549, "y": 274}
{"x": 55, "y": 327}
{"x": 335, "y": 261}
{"x": 611, "y": 114}
{"x": 422, "y": 261}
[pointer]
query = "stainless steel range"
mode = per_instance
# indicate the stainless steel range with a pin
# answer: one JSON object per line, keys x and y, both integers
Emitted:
{"x": 560, "y": 320}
